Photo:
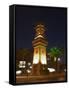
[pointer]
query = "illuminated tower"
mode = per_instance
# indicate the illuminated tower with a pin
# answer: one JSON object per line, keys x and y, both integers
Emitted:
{"x": 39, "y": 45}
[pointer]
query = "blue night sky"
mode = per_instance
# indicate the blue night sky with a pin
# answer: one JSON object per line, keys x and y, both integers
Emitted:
{"x": 55, "y": 20}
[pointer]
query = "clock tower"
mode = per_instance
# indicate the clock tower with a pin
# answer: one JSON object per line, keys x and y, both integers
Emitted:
{"x": 39, "y": 56}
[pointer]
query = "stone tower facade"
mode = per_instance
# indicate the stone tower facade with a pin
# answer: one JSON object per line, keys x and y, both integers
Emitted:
{"x": 39, "y": 56}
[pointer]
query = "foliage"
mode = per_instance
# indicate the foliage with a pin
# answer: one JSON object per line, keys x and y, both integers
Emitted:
{"x": 55, "y": 52}
{"x": 24, "y": 54}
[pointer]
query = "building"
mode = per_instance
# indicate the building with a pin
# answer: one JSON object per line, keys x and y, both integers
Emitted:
{"x": 39, "y": 56}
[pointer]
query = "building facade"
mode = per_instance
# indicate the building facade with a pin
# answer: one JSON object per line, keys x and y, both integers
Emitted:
{"x": 39, "y": 56}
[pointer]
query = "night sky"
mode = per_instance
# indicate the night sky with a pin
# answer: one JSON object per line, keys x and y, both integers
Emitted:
{"x": 55, "y": 20}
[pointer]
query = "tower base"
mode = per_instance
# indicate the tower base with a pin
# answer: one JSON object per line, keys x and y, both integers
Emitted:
{"x": 39, "y": 69}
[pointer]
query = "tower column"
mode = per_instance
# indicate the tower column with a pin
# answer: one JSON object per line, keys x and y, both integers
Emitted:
{"x": 39, "y": 55}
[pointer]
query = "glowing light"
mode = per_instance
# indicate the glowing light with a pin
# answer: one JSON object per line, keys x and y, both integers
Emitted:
{"x": 28, "y": 71}
{"x": 29, "y": 63}
{"x": 43, "y": 57}
{"x": 39, "y": 56}
{"x": 22, "y": 62}
{"x": 55, "y": 59}
{"x": 18, "y": 72}
{"x": 30, "y": 67}
{"x": 23, "y": 66}
{"x": 20, "y": 66}
{"x": 65, "y": 70}
{"x": 36, "y": 56}
{"x": 59, "y": 59}
{"x": 51, "y": 69}
{"x": 39, "y": 36}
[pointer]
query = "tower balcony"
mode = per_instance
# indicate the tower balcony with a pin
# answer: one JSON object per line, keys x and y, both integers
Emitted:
{"x": 39, "y": 41}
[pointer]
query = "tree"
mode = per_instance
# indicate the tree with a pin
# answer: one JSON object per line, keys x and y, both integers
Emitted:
{"x": 55, "y": 53}
{"x": 23, "y": 54}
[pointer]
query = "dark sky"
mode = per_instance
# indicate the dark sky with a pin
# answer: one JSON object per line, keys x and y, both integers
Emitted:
{"x": 53, "y": 18}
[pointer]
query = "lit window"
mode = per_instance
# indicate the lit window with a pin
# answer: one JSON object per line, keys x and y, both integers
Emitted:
{"x": 20, "y": 66}
{"x": 22, "y": 62}
{"x": 23, "y": 66}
